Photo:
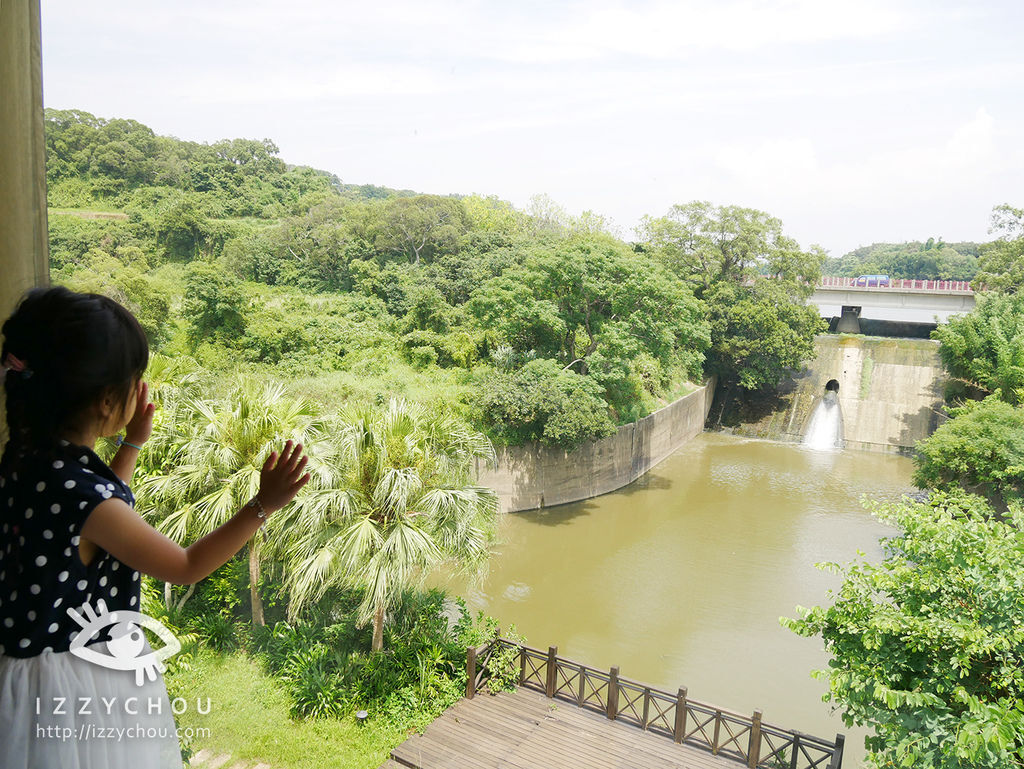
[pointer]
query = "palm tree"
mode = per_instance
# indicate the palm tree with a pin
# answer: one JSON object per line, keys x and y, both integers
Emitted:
{"x": 212, "y": 452}
{"x": 403, "y": 503}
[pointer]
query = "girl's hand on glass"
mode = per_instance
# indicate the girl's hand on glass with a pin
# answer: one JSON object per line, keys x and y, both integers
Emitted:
{"x": 140, "y": 426}
{"x": 281, "y": 477}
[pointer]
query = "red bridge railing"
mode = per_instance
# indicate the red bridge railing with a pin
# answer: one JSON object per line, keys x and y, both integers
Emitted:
{"x": 961, "y": 286}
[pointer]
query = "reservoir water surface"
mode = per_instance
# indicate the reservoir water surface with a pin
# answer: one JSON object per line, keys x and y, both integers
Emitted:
{"x": 681, "y": 577}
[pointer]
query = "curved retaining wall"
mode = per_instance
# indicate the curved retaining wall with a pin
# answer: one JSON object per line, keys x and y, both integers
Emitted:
{"x": 533, "y": 475}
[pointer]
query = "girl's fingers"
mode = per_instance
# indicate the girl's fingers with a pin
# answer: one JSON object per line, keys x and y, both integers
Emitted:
{"x": 289, "y": 465}
{"x": 269, "y": 463}
{"x": 286, "y": 452}
{"x": 297, "y": 457}
{"x": 300, "y": 483}
{"x": 294, "y": 472}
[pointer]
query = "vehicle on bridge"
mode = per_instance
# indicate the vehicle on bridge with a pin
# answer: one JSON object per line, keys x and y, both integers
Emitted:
{"x": 872, "y": 280}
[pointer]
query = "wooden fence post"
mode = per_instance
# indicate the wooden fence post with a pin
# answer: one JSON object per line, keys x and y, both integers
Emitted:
{"x": 552, "y": 671}
{"x": 522, "y": 665}
{"x": 680, "y": 728}
{"x": 754, "y": 748}
{"x": 718, "y": 728}
{"x": 837, "y": 756}
{"x": 613, "y": 693}
{"x": 470, "y": 672}
{"x": 581, "y": 686}
{"x": 796, "y": 751}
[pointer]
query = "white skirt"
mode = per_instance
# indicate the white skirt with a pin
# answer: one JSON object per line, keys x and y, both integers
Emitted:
{"x": 58, "y": 710}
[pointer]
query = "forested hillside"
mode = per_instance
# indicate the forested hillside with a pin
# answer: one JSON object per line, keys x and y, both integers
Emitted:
{"x": 529, "y": 324}
{"x": 931, "y": 260}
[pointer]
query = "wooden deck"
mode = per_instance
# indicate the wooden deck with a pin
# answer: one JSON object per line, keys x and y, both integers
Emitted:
{"x": 526, "y": 730}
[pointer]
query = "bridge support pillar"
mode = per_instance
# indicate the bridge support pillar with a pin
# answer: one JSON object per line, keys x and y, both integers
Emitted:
{"x": 849, "y": 323}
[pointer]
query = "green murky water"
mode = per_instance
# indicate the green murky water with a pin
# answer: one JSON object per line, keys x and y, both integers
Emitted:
{"x": 681, "y": 577}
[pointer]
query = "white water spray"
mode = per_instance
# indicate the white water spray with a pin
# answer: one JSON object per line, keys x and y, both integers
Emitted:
{"x": 825, "y": 430}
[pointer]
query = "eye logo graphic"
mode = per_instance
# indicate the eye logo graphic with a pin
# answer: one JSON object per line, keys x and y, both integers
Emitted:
{"x": 126, "y": 640}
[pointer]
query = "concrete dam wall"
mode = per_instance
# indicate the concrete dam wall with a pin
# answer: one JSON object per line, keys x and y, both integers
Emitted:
{"x": 533, "y": 476}
{"x": 890, "y": 394}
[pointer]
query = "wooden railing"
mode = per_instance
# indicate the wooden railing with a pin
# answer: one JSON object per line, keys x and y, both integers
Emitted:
{"x": 745, "y": 739}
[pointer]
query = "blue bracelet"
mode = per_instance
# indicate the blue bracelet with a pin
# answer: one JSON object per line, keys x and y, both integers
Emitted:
{"x": 122, "y": 442}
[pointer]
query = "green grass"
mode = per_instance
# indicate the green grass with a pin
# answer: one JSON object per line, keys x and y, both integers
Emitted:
{"x": 677, "y": 392}
{"x": 249, "y": 719}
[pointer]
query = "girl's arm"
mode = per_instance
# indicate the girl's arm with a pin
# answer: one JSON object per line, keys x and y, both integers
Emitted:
{"x": 137, "y": 431}
{"x": 123, "y": 462}
{"x": 115, "y": 526}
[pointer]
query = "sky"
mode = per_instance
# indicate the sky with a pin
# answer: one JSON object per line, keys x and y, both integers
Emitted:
{"x": 853, "y": 122}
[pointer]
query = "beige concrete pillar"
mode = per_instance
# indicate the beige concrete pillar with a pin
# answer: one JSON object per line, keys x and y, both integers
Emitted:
{"x": 24, "y": 255}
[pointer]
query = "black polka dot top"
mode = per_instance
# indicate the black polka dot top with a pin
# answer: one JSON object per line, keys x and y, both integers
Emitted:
{"x": 43, "y": 505}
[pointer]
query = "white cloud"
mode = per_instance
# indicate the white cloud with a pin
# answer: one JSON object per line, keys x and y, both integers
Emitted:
{"x": 790, "y": 168}
{"x": 924, "y": 187}
{"x": 672, "y": 29}
{"x": 849, "y": 120}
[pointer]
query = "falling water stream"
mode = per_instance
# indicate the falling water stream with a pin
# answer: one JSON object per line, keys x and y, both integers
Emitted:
{"x": 825, "y": 429}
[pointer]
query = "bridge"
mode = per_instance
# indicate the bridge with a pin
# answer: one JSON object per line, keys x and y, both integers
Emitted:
{"x": 920, "y": 303}
{"x": 563, "y": 715}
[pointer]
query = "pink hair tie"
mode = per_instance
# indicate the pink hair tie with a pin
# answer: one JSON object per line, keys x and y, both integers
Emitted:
{"x": 13, "y": 363}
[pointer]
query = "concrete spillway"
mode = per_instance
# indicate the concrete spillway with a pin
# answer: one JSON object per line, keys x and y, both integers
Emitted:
{"x": 889, "y": 395}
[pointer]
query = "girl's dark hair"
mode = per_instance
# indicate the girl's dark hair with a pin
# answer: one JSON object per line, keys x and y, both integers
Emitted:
{"x": 77, "y": 348}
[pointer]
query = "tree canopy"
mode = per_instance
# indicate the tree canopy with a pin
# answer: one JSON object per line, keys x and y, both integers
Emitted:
{"x": 983, "y": 350}
{"x": 239, "y": 259}
{"x": 1002, "y": 261}
{"x": 927, "y": 646}
{"x": 915, "y": 260}
{"x": 754, "y": 280}
{"x": 980, "y": 450}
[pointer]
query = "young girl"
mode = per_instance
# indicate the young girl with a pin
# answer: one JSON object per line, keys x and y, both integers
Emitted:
{"x": 70, "y": 539}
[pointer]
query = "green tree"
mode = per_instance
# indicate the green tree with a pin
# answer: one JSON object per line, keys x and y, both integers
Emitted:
{"x": 93, "y": 160}
{"x": 72, "y": 237}
{"x": 596, "y": 280}
{"x": 546, "y": 402}
{"x": 401, "y": 502}
{"x": 927, "y": 647}
{"x": 209, "y": 458}
{"x": 181, "y": 228}
{"x": 913, "y": 260}
{"x": 592, "y": 305}
{"x": 705, "y": 244}
{"x": 984, "y": 349}
{"x": 101, "y": 273}
{"x": 1002, "y": 261}
{"x": 214, "y": 304}
{"x": 490, "y": 214}
{"x": 509, "y": 313}
{"x": 981, "y": 450}
{"x": 754, "y": 280}
{"x": 758, "y": 333}
{"x": 420, "y": 228}
{"x": 315, "y": 250}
